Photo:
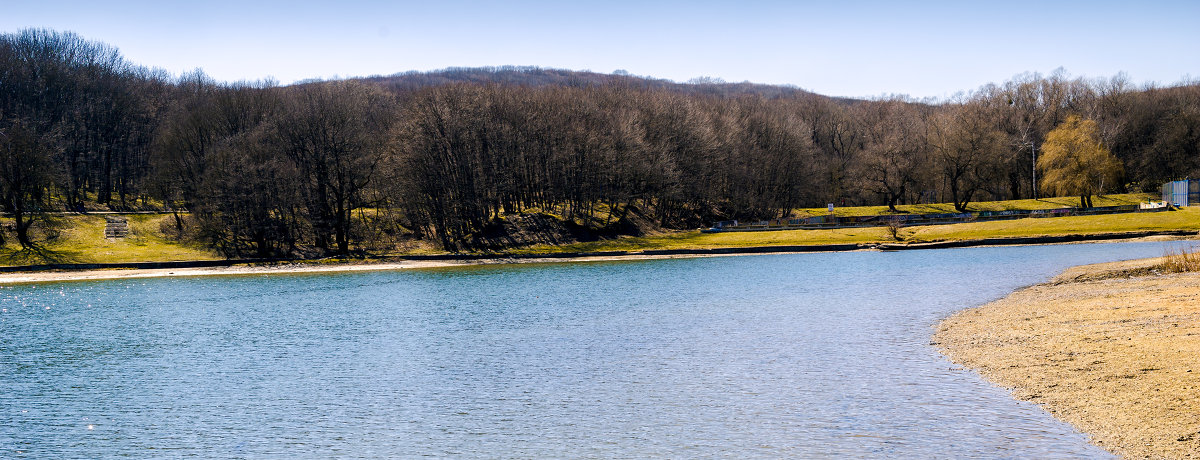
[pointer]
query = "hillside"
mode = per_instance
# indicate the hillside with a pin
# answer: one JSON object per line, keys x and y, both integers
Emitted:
{"x": 344, "y": 167}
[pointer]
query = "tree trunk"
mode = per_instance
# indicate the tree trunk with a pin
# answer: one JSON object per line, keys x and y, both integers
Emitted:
{"x": 960, "y": 205}
{"x": 178, "y": 222}
{"x": 342, "y": 235}
{"x": 1014, "y": 186}
{"x": 104, "y": 195}
{"x": 892, "y": 198}
{"x": 23, "y": 223}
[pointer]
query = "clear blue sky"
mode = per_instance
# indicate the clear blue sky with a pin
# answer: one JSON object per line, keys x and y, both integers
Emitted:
{"x": 849, "y": 48}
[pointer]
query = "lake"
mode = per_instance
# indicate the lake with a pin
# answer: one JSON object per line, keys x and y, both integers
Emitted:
{"x": 767, "y": 356}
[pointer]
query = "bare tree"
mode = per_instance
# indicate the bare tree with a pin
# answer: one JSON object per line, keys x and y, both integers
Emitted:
{"x": 968, "y": 150}
{"x": 25, "y": 175}
{"x": 336, "y": 133}
{"x": 894, "y": 154}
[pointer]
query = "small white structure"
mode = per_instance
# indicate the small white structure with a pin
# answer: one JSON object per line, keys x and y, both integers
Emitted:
{"x": 1153, "y": 205}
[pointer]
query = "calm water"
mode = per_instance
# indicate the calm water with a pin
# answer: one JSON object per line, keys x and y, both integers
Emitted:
{"x": 810, "y": 355}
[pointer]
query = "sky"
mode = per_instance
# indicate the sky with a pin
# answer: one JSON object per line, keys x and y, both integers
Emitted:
{"x": 836, "y": 48}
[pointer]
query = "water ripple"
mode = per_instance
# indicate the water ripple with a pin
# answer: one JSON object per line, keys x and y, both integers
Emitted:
{"x": 817, "y": 355}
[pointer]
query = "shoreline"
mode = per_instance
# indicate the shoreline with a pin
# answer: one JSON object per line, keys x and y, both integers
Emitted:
{"x": 247, "y": 267}
{"x": 54, "y": 276}
{"x": 1109, "y": 348}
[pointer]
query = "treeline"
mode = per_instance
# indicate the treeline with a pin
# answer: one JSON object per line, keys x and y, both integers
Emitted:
{"x": 76, "y": 121}
{"x": 537, "y": 76}
{"x": 337, "y": 167}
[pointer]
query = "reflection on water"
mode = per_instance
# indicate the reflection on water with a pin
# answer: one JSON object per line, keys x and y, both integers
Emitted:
{"x": 809, "y": 355}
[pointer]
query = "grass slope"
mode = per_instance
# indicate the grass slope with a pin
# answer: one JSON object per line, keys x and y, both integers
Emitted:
{"x": 1185, "y": 219}
{"x": 80, "y": 239}
{"x": 1010, "y": 205}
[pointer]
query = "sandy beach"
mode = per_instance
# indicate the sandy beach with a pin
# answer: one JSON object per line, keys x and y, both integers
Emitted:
{"x": 1113, "y": 349}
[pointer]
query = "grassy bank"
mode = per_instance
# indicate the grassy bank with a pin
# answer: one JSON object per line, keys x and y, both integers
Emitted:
{"x": 1112, "y": 354}
{"x": 1008, "y": 205}
{"x": 1185, "y": 219}
{"x": 80, "y": 239}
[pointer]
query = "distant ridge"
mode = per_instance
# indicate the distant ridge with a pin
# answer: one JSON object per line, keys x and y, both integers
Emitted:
{"x": 533, "y": 76}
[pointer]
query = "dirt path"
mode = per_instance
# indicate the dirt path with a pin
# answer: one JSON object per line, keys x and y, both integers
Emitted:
{"x": 1114, "y": 355}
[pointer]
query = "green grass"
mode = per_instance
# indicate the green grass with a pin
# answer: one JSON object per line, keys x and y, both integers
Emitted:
{"x": 80, "y": 239}
{"x": 696, "y": 240}
{"x": 1186, "y": 219}
{"x": 1010, "y": 205}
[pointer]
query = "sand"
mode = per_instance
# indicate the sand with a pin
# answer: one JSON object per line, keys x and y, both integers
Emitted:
{"x": 1113, "y": 349}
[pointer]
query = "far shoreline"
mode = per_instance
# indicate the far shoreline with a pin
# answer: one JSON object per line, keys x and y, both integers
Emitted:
{"x": 94, "y": 272}
{"x": 287, "y": 268}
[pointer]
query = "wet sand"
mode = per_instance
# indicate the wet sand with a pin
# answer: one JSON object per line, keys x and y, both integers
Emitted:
{"x": 1113, "y": 349}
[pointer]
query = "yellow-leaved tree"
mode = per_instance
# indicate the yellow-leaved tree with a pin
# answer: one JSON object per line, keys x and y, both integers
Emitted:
{"x": 1074, "y": 162}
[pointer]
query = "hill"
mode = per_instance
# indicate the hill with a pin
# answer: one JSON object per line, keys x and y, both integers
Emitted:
{"x": 532, "y": 76}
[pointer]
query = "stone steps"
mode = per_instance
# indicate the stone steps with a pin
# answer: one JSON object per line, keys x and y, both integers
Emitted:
{"x": 116, "y": 227}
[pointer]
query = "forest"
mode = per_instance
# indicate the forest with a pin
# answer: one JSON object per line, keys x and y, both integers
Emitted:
{"x": 354, "y": 166}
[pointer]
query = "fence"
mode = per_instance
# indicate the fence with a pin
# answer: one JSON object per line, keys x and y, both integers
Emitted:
{"x": 1182, "y": 192}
